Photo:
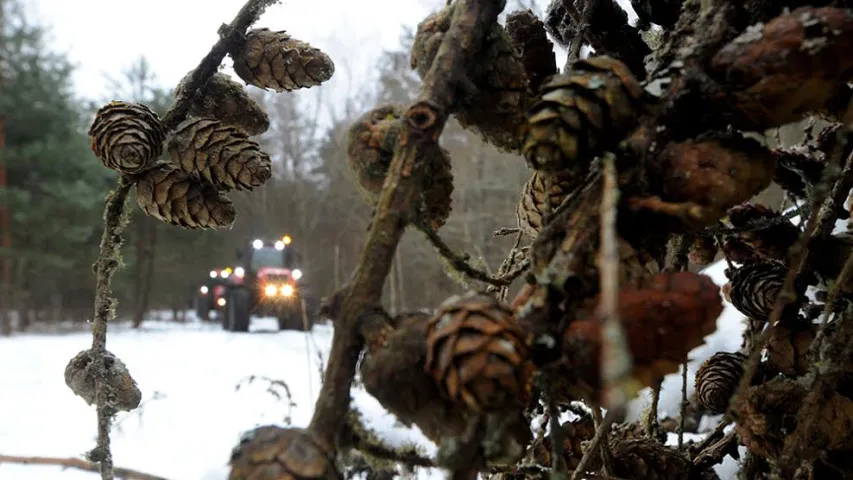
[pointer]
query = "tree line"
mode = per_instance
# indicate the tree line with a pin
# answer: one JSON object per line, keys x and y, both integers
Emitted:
{"x": 55, "y": 188}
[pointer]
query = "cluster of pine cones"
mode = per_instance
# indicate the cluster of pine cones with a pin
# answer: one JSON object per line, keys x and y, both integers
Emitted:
{"x": 210, "y": 152}
{"x": 480, "y": 359}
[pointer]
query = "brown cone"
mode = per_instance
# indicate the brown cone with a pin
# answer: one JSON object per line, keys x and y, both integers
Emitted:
{"x": 788, "y": 348}
{"x": 702, "y": 251}
{"x": 579, "y": 115}
{"x": 280, "y": 62}
{"x": 717, "y": 379}
{"x": 371, "y": 142}
{"x": 528, "y": 36}
{"x": 494, "y": 105}
{"x": 664, "y": 316}
{"x": 771, "y": 243}
{"x": 171, "y": 195}
{"x": 83, "y": 373}
{"x": 229, "y": 102}
{"x": 646, "y": 459}
{"x": 127, "y": 137}
{"x": 755, "y": 286}
{"x": 477, "y": 354}
{"x": 212, "y": 151}
{"x": 275, "y": 453}
{"x": 532, "y": 205}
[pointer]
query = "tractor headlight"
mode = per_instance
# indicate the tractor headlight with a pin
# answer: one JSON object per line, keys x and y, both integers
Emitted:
{"x": 214, "y": 274}
{"x": 204, "y": 289}
{"x": 296, "y": 274}
{"x": 287, "y": 290}
{"x": 240, "y": 272}
{"x": 220, "y": 301}
{"x": 270, "y": 290}
{"x": 225, "y": 274}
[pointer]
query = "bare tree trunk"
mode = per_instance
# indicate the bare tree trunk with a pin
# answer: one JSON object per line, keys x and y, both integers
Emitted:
{"x": 146, "y": 271}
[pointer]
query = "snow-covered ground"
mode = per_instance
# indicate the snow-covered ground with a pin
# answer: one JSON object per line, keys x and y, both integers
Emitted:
{"x": 193, "y": 413}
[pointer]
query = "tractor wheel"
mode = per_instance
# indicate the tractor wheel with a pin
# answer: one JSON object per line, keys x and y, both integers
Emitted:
{"x": 202, "y": 308}
{"x": 290, "y": 318}
{"x": 238, "y": 310}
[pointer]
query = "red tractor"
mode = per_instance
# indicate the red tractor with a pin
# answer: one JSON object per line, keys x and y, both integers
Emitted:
{"x": 211, "y": 294}
{"x": 267, "y": 281}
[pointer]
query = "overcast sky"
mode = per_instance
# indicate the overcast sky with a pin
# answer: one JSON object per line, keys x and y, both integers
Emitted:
{"x": 105, "y": 36}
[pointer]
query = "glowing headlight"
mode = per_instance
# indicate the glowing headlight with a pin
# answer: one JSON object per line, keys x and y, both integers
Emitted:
{"x": 204, "y": 289}
{"x": 225, "y": 274}
{"x": 296, "y": 274}
{"x": 240, "y": 272}
{"x": 258, "y": 244}
{"x": 279, "y": 245}
{"x": 270, "y": 290}
{"x": 287, "y": 290}
{"x": 214, "y": 274}
{"x": 220, "y": 302}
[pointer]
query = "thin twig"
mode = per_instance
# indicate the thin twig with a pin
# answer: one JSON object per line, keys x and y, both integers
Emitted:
{"x": 229, "y": 37}
{"x": 79, "y": 464}
{"x": 595, "y": 443}
{"x": 652, "y": 415}
{"x": 616, "y": 357}
{"x": 457, "y": 261}
{"x": 559, "y": 468}
{"x": 423, "y": 124}
{"x": 606, "y": 454}
{"x": 682, "y": 414}
{"x": 580, "y": 31}
{"x": 108, "y": 262}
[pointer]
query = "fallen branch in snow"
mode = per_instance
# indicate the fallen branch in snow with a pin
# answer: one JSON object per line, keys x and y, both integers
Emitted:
{"x": 79, "y": 464}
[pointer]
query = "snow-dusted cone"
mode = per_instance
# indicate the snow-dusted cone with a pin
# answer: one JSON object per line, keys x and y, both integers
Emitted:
{"x": 168, "y": 193}
{"x": 229, "y": 102}
{"x": 274, "y": 453}
{"x": 275, "y": 60}
{"x": 219, "y": 154}
{"x": 83, "y": 369}
{"x": 371, "y": 142}
{"x": 532, "y": 204}
{"x": 477, "y": 354}
{"x": 717, "y": 379}
{"x": 127, "y": 137}
{"x": 580, "y": 114}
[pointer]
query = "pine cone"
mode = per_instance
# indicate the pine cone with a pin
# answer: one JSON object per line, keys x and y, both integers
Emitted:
{"x": 665, "y": 316}
{"x": 214, "y": 152}
{"x": 229, "y": 102}
{"x": 494, "y": 106}
{"x": 798, "y": 169}
{"x": 275, "y": 453}
{"x": 754, "y": 288}
{"x": 788, "y": 347}
{"x": 772, "y": 73}
{"x": 702, "y": 251}
{"x": 171, "y": 195}
{"x": 527, "y": 33}
{"x": 714, "y": 174}
{"x": 477, "y": 353}
{"x": 127, "y": 137}
{"x": 371, "y": 142}
{"x": 581, "y": 114}
{"x": 646, "y": 459}
{"x": 275, "y": 60}
{"x": 771, "y": 243}
{"x": 531, "y": 206}
{"x": 83, "y": 373}
{"x": 717, "y": 379}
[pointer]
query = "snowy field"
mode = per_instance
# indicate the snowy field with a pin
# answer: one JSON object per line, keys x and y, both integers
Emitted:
{"x": 192, "y": 412}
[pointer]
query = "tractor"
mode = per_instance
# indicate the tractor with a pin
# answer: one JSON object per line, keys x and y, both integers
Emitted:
{"x": 211, "y": 294}
{"x": 266, "y": 281}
